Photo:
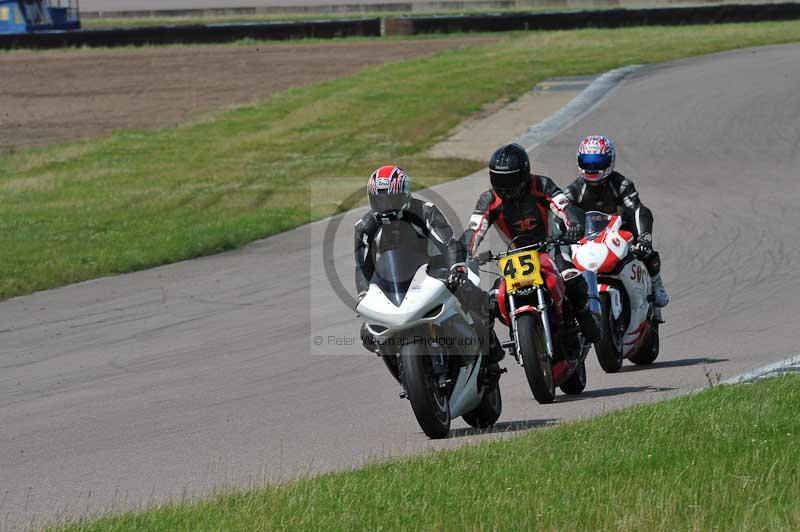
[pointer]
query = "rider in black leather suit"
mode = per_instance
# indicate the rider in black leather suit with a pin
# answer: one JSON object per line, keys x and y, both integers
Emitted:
{"x": 600, "y": 188}
{"x": 396, "y": 218}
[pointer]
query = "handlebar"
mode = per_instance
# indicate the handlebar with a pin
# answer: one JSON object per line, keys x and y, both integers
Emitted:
{"x": 488, "y": 256}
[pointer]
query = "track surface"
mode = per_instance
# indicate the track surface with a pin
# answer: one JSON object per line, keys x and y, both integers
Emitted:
{"x": 173, "y": 381}
{"x": 65, "y": 95}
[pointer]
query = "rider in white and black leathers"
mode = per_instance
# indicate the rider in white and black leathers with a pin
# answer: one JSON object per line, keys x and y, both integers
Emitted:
{"x": 397, "y": 219}
{"x": 599, "y": 187}
{"x": 518, "y": 205}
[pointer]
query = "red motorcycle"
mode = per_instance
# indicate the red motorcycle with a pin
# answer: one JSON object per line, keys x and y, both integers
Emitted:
{"x": 545, "y": 337}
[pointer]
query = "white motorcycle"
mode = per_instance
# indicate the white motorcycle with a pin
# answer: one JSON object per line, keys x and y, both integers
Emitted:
{"x": 429, "y": 343}
{"x": 630, "y": 329}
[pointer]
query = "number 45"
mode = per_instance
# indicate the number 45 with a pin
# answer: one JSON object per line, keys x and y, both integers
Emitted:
{"x": 525, "y": 261}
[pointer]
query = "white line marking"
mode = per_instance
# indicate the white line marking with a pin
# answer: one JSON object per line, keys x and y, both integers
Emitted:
{"x": 576, "y": 108}
{"x": 782, "y": 367}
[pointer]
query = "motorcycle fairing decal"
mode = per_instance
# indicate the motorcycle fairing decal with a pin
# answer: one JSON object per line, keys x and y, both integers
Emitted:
{"x": 638, "y": 334}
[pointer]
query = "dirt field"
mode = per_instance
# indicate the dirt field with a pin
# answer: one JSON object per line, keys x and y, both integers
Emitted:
{"x": 55, "y": 96}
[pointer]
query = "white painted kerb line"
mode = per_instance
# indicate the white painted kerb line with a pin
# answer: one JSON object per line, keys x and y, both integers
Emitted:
{"x": 576, "y": 108}
{"x": 782, "y": 367}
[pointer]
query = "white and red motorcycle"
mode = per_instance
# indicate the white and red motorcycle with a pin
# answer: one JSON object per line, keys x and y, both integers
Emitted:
{"x": 630, "y": 329}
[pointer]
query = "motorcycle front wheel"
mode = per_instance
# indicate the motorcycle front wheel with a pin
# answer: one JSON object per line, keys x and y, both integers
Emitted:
{"x": 428, "y": 401}
{"x": 533, "y": 350}
{"x": 609, "y": 348}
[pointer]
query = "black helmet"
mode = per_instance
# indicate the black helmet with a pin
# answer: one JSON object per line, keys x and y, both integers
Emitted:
{"x": 510, "y": 171}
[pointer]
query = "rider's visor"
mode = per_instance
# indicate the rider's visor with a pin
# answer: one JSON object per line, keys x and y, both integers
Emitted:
{"x": 386, "y": 203}
{"x": 594, "y": 162}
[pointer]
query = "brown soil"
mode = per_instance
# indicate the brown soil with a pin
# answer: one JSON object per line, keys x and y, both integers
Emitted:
{"x": 56, "y": 96}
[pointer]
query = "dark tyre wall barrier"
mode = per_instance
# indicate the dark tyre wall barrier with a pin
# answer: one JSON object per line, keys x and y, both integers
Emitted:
{"x": 611, "y": 18}
{"x": 215, "y": 33}
{"x": 371, "y": 27}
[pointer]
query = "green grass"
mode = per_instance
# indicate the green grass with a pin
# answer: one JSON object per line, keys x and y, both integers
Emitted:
{"x": 727, "y": 458}
{"x": 136, "y": 199}
{"x": 124, "y": 22}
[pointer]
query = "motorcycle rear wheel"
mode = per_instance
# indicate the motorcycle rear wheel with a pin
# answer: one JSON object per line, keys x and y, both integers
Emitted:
{"x": 648, "y": 353}
{"x": 532, "y": 349}
{"x": 488, "y": 410}
{"x": 576, "y": 382}
{"x": 430, "y": 404}
{"x": 609, "y": 348}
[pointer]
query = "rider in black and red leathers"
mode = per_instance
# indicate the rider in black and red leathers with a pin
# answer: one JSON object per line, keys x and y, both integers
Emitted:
{"x": 518, "y": 205}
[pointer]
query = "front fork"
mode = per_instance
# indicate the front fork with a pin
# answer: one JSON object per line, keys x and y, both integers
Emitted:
{"x": 541, "y": 298}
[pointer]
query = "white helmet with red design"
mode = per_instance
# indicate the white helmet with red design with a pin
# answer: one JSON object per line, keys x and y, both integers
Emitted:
{"x": 389, "y": 191}
{"x": 596, "y": 158}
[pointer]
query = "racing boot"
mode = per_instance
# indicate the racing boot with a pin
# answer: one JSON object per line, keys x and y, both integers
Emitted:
{"x": 479, "y": 305}
{"x": 496, "y": 351}
{"x": 578, "y": 295}
{"x": 660, "y": 296}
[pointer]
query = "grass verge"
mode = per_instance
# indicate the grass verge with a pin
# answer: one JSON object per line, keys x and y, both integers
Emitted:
{"x": 136, "y": 199}
{"x": 727, "y": 458}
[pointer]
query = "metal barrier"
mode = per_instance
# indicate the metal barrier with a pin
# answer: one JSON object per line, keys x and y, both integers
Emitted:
{"x": 196, "y": 34}
{"x": 610, "y": 18}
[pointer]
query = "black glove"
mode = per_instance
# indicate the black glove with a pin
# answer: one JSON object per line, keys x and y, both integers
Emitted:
{"x": 644, "y": 245}
{"x": 573, "y": 233}
{"x": 458, "y": 275}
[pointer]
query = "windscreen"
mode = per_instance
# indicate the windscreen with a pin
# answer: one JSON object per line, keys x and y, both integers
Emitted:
{"x": 596, "y": 221}
{"x": 394, "y": 271}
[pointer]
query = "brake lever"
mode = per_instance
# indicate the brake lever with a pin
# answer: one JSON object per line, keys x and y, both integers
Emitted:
{"x": 484, "y": 257}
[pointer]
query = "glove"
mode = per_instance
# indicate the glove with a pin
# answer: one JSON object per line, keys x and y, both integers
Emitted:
{"x": 644, "y": 245}
{"x": 458, "y": 275}
{"x": 573, "y": 233}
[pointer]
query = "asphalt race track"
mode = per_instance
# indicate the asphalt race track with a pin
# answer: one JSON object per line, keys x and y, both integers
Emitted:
{"x": 170, "y": 382}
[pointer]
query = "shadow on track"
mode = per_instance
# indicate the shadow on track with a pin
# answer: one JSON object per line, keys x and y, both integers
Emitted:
{"x": 505, "y": 426}
{"x": 609, "y": 392}
{"x": 684, "y": 362}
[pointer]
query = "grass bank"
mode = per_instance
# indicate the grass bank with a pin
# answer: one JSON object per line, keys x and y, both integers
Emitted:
{"x": 725, "y": 459}
{"x": 136, "y": 199}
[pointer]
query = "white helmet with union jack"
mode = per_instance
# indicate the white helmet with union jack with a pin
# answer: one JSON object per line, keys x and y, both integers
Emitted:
{"x": 389, "y": 191}
{"x": 596, "y": 158}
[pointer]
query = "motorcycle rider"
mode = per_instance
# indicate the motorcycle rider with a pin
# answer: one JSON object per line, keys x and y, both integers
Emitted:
{"x": 599, "y": 187}
{"x": 397, "y": 218}
{"x": 517, "y": 205}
